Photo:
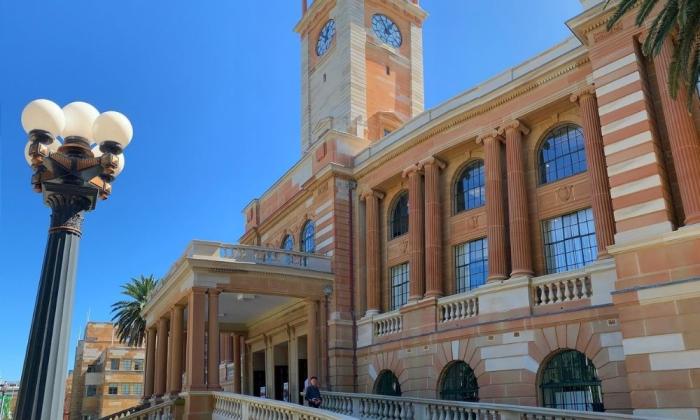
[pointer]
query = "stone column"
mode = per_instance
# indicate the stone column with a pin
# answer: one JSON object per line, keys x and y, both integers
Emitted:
{"x": 213, "y": 341}
{"x": 150, "y": 363}
{"x": 416, "y": 239}
{"x": 161, "y": 357}
{"x": 601, "y": 203}
{"x": 520, "y": 254}
{"x": 293, "y": 363}
{"x": 236, "y": 363}
{"x": 176, "y": 327}
{"x": 682, "y": 137}
{"x": 269, "y": 368}
{"x": 495, "y": 215}
{"x": 196, "y": 318}
{"x": 433, "y": 227}
{"x": 312, "y": 338}
{"x": 372, "y": 245}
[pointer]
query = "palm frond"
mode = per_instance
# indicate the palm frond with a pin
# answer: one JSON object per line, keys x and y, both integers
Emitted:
{"x": 130, "y": 325}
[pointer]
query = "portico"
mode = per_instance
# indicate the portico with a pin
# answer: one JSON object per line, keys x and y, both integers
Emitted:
{"x": 236, "y": 318}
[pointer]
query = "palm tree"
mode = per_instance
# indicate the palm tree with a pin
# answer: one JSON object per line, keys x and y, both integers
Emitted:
{"x": 131, "y": 327}
{"x": 683, "y": 15}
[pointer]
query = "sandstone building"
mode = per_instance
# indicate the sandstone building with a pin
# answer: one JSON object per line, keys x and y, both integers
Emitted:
{"x": 107, "y": 376}
{"x": 533, "y": 240}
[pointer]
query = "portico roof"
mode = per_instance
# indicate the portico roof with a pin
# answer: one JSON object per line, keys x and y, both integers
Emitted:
{"x": 242, "y": 270}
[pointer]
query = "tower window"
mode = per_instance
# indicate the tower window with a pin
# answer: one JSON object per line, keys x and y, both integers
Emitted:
{"x": 388, "y": 70}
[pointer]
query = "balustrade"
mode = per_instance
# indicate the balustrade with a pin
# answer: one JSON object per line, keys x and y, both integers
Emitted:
{"x": 558, "y": 289}
{"x": 456, "y": 307}
{"x": 388, "y": 323}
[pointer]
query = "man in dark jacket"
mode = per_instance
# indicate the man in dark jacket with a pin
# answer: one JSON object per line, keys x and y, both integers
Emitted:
{"x": 312, "y": 394}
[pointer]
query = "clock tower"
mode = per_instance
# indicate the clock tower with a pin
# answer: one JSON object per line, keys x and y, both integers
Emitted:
{"x": 361, "y": 67}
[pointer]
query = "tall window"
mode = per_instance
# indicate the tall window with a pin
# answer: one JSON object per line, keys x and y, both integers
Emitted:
{"x": 137, "y": 389}
{"x": 562, "y": 154}
{"x": 471, "y": 264}
{"x": 569, "y": 241}
{"x": 387, "y": 384}
{"x": 124, "y": 389}
{"x": 90, "y": 390}
{"x": 569, "y": 381}
{"x": 112, "y": 390}
{"x": 138, "y": 364}
{"x": 399, "y": 285}
{"x": 288, "y": 243}
{"x": 114, "y": 364}
{"x": 398, "y": 225}
{"x": 126, "y": 364}
{"x": 308, "y": 242}
{"x": 458, "y": 383}
{"x": 470, "y": 192}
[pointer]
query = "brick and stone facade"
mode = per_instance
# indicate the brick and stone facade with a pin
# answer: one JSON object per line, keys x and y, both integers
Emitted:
{"x": 619, "y": 290}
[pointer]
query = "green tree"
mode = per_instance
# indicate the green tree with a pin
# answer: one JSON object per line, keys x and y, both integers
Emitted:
{"x": 131, "y": 327}
{"x": 681, "y": 16}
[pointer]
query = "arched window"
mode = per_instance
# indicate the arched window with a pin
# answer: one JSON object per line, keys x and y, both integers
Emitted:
{"x": 288, "y": 243}
{"x": 387, "y": 384}
{"x": 562, "y": 154}
{"x": 470, "y": 192}
{"x": 399, "y": 216}
{"x": 569, "y": 381}
{"x": 308, "y": 243}
{"x": 458, "y": 383}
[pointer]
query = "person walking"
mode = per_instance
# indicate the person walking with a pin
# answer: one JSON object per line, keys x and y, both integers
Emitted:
{"x": 312, "y": 394}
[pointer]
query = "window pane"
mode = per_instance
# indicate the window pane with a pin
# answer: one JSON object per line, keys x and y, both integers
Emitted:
{"x": 124, "y": 389}
{"x": 399, "y": 285}
{"x": 570, "y": 382}
{"x": 469, "y": 191}
{"x": 138, "y": 364}
{"x": 126, "y": 364}
{"x": 399, "y": 217}
{"x": 308, "y": 241}
{"x": 114, "y": 364}
{"x": 569, "y": 241}
{"x": 471, "y": 264}
{"x": 112, "y": 390}
{"x": 562, "y": 154}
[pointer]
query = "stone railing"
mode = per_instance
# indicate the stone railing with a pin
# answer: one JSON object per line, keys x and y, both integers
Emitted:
{"x": 455, "y": 307}
{"x": 561, "y": 287}
{"x": 367, "y": 406}
{"x": 229, "y": 406}
{"x": 166, "y": 410}
{"x": 387, "y": 323}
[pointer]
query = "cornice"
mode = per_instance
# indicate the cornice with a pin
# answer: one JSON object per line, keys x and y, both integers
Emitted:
{"x": 492, "y": 101}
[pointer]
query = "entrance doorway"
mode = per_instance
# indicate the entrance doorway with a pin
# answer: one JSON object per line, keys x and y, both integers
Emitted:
{"x": 281, "y": 352}
{"x": 302, "y": 366}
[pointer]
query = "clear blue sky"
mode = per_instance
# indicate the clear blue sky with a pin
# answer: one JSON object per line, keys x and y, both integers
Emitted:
{"x": 212, "y": 89}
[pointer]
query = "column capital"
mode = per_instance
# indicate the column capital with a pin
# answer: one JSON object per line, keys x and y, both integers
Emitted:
{"x": 214, "y": 291}
{"x": 583, "y": 92}
{"x": 365, "y": 194}
{"x": 513, "y": 125}
{"x": 413, "y": 169}
{"x": 431, "y": 160}
{"x": 488, "y": 135}
{"x": 199, "y": 290}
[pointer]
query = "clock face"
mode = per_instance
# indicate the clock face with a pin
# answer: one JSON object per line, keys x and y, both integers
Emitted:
{"x": 386, "y": 30}
{"x": 325, "y": 37}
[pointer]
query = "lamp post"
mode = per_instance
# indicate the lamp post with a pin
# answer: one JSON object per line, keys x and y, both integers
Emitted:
{"x": 72, "y": 176}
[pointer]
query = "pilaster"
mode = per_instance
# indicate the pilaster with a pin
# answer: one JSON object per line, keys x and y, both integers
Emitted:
{"x": 213, "y": 341}
{"x": 433, "y": 226}
{"x": 372, "y": 248}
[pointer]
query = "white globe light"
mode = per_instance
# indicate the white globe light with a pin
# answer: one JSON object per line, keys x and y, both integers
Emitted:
{"x": 42, "y": 114}
{"x": 79, "y": 119}
{"x": 120, "y": 164}
{"x": 113, "y": 126}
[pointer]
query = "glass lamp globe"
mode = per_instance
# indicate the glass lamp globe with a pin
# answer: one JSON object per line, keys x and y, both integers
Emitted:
{"x": 79, "y": 119}
{"x": 113, "y": 126}
{"x": 42, "y": 114}
{"x": 120, "y": 164}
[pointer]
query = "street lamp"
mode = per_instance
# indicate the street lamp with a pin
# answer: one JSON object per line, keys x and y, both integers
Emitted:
{"x": 72, "y": 176}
